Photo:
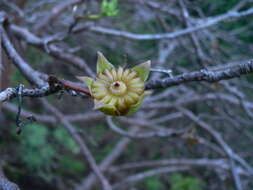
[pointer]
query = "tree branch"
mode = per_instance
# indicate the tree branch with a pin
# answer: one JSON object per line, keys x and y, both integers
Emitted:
{"x": 5, "y": 184}
{"x": 198, "y": 162}
{"x": 158, "y": 133}
{"x": 33, "y": 76}
{"x": 202, "y": 24}
{"x": 51, "y": 49}
{"x": 203, "y": 75}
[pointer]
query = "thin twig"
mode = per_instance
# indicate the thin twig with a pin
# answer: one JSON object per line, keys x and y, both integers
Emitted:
{"x": 158, "y": 133}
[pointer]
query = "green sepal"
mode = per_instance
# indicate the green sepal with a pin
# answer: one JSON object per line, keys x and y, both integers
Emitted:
{"x": 136, "y": 106}
{"x": 103, "y": 63}
{"x": 105, "y": 108}
{"x": 143, "y": 70}
{"x": 87, "y": 80}
{"x": 109, "y": 110}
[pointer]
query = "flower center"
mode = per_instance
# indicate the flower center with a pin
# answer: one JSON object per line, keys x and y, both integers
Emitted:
{"x": 118, "y": 88}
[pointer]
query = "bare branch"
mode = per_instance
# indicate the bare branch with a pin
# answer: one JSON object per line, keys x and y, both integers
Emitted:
{"x": 55, "y": 12}
{"x": 158, "y": 133}
{"x": 5, "y": 184}
{"x": 140, "y": 176}
{"x": 51, "y": 49}
{"x": 32, "y": 75}
{"x": 54, "y": 85}
{"x": 47, "y": 118}
{"x": 203, "y": 75}
{"x": 208, "y": 22}
{"x": 200, "y": 162}
{"x": 11, "y": 93}
{"x": 230, "y": 153}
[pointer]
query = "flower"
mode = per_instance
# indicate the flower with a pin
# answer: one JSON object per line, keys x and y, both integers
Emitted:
{"x": 118, "y": 91}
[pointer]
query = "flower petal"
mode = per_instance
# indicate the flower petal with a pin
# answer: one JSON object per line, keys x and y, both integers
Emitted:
{"x": 103, "y": 63}
{"x": 98, "y": 104}
{"x": 120, "y": 73}
{"x": 143, "y": 70}
{"x": 106, "y": 108}
{"x": 136, "y": 106}
{"x": 87, "y": 80}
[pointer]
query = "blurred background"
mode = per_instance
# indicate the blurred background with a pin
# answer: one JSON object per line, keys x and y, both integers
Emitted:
{"x": 193, "y": 136}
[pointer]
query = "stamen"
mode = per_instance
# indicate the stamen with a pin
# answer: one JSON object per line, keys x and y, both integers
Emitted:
{"x": 116, "y": 84}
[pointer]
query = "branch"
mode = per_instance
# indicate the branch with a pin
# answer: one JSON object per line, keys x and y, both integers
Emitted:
{"x": 5, "y": 184}
{"x": 32, "y": 75}
{"x": 140, "y": 176}
{"x": 118, "y": 149}
{"x": 198, "y": 162}
{"x": 158, "y": 133}
{"x": 203, "y": 75}
{"x": 205, "y": 23}
{"x": 216, "y": 135}
{"x": 11, "y": 93}
{"x": 55, "y": 12}
{"x": 48, "y": 118}
{"x": 55, "y": 85}
{"x": 51, "y": 49}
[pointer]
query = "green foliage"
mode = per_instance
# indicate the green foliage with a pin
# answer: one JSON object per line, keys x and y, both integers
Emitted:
{"x": 180, "y": 182}
{"x": 67, "y": 164}
{"x": 39, "y": 148}
{"x": 153, "y": 183}
{"x": 109, "y": 8}
{"x": 36, "y": 152}
{"x": 70, "y": 165}
{"x": 61, "y": 135}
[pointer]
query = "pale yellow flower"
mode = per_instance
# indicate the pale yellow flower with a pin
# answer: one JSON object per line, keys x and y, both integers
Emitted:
{"x": 117, "y": 91}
